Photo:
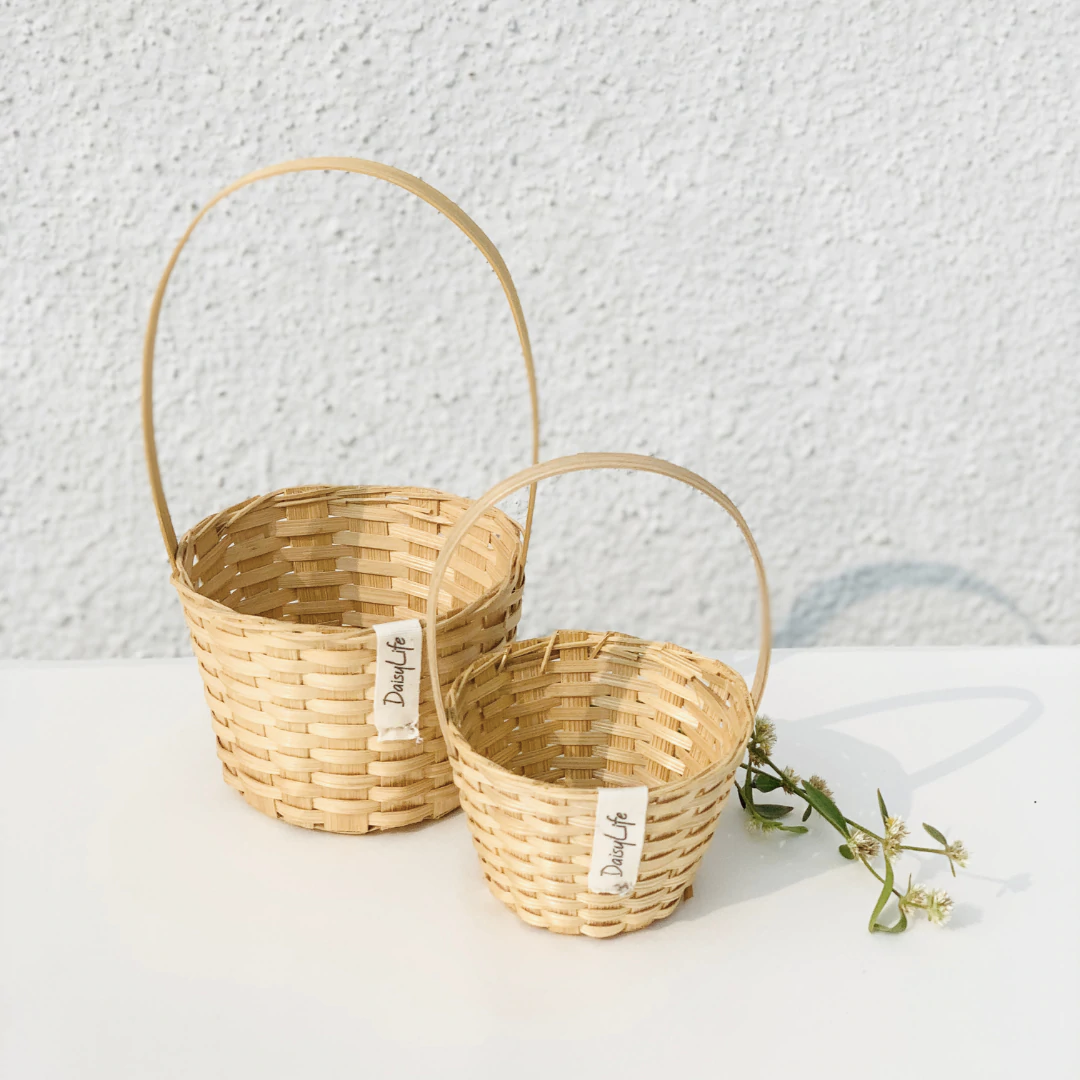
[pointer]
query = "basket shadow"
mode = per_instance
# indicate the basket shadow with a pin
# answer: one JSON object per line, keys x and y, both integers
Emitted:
{"x": 741, "y": 866}
{"x": 825, "y": 600}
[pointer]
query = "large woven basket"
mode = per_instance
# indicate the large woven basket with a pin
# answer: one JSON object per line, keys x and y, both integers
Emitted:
{"x": 537, "y": 727}
{"x": 281, "y": 594}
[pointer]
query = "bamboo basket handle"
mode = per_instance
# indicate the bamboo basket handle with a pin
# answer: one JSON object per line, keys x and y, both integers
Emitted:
{"x": 583, "y": 463}
{"x": 334, "y": 164}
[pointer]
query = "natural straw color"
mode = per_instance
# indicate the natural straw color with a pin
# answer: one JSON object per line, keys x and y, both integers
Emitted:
{"x": 536, "y": 727}
{"x": 281, "y": 593}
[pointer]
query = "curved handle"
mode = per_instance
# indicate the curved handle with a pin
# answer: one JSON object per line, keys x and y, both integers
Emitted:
{"x": 583, "y": 463}
{"x": 335, "y": 164}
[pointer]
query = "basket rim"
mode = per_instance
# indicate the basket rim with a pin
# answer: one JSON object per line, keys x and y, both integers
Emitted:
{"x": 511, "y": 583}
{"x": 545, "y": 789}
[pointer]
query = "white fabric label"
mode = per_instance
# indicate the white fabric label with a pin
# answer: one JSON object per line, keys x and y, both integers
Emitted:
{"x": 397, "y": 680}
{"x": 617, "y": 842}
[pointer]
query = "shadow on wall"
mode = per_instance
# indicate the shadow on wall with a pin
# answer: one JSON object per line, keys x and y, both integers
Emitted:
{"x": 815, "y": 608}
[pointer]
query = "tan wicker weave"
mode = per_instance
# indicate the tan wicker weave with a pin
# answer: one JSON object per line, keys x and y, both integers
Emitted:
{"x": 281, "y": 593}
{"x": 537, "y": 726}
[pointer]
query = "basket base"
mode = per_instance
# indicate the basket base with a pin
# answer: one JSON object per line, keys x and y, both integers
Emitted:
{"x": 594, "y": 918}
{"x": 308, "y": 817}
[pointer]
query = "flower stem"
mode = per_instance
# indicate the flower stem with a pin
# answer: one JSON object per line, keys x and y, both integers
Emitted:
{"x": 863, "y": 828}
{"x": 865, "y": 863}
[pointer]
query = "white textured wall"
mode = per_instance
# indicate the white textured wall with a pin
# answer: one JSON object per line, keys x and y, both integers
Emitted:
{"x": 824, "y": 254}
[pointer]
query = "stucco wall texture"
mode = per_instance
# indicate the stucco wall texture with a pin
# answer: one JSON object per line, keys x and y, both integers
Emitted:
{"x": 824, "y": 254}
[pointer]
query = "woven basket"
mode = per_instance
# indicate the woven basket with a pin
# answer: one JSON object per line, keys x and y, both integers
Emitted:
{"x": 281, "y": 593}
{"x": 537, "y": 727}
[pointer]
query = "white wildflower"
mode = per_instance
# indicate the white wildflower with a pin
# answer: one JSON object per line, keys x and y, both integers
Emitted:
{"x": 957, "y": 853}
{"x": 939, "y": 907}
{"x": 763, "y": 740}
{"x": 895, "y": 834}
{"x": 861, "y": 845}
{"x": 915, "y": 897}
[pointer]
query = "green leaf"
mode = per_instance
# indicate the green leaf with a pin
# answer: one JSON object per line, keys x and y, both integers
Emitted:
{"x": 883, "y": 899}
{"x": 764, "y": 782}
{"x": 826, "y": 808}
{"x": 742, "y": 800}
{"x": 935, "y": 834}
{"x": 897, "y": 928}
{"x": 882, "y": 807}
{"x": 793, "y": 828}
{"x": 772, "y": 811}
{"x": 845, "y": 851}
{"x": 808, "y": 812}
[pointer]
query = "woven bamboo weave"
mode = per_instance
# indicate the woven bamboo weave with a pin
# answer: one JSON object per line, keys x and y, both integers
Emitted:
{"x": 535, "y": 727}
{"x": 281, "y": 593}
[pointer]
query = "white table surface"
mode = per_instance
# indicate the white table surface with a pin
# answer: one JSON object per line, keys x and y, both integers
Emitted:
{"x": 153, "y": 925}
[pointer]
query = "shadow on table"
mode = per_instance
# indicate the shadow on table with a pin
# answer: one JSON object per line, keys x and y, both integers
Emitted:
{"x": 742, "y": 867}
{"x": 825, "y": 600}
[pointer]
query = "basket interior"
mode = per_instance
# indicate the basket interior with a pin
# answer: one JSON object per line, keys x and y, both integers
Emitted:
{"x": 593, "y": 710}
{"x": 345, "y": 556}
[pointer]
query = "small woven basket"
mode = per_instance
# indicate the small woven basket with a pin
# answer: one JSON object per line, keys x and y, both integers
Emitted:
{"x": 537, "y": 727}
{"x": 281, "y": 594}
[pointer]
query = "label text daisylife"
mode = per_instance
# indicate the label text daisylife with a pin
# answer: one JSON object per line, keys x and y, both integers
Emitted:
{"x": 621, "y": 826}
{"x": 399, "y": 662}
